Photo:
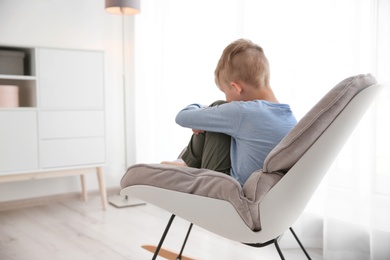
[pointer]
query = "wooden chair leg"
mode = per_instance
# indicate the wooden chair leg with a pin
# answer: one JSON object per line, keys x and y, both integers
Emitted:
{"x": 83, "y": 187}
{"x": 102, "y": 186}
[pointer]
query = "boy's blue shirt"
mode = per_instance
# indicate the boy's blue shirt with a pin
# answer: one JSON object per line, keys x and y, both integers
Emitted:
{"x": 256, "y": 127}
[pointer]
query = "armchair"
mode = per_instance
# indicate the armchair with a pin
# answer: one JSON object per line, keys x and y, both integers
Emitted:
{"x": 272, "y": 199}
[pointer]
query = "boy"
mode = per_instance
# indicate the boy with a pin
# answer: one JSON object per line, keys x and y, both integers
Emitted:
{"x": 235, "y": 136}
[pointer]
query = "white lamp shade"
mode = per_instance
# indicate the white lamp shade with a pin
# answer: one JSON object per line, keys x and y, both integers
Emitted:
{"x": 126, "y": 7}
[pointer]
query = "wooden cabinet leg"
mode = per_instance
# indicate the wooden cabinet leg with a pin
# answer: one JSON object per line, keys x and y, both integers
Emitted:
{"x": 102, "y": 186}
{"x": 83, "y": 187}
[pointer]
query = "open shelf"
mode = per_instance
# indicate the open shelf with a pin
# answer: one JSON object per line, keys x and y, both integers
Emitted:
{"x": 24, "y": 77}
{"x": 27, "y": 90}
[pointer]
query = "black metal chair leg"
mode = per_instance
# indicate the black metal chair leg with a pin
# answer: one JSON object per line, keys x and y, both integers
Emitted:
{"x": 163, "y": 237}
{"x": 278, "y": 249}
{"x": 300, "y": 244}
{"x": 275, "y": 242}
{"x": 185, "y": 242}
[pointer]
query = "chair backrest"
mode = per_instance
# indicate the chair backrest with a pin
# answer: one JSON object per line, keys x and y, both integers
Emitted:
{"x": 309, "y": 150}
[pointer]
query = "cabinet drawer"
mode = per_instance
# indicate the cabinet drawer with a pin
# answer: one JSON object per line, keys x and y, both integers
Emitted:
{"x": 70, "y": 124}
{"x": 18, "y": 141}
{"x": 72, "y": 152}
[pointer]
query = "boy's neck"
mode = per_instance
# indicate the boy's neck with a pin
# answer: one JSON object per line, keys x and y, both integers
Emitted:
{"x": 268, "y": 95}
{"x": 265, "y": 93}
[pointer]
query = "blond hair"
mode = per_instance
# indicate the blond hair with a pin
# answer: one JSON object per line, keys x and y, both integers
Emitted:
{"x": 242, "y": 60}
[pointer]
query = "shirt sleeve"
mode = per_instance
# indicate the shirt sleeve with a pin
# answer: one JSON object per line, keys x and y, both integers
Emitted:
{"x": 224, "y": 118}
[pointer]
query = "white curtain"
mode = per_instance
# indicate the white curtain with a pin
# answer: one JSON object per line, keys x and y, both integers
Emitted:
{"x": 311, "y": 46}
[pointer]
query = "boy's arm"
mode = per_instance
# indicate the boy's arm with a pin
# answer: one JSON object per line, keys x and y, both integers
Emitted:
{"x": 222, "y": 119}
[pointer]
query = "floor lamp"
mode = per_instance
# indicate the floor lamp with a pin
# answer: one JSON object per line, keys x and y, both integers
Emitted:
{"x": 123, "y": 7}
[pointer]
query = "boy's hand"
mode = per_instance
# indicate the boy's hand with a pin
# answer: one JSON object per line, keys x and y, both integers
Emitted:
{"x": 196, "y": 132}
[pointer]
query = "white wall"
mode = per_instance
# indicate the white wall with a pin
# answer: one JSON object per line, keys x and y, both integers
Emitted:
{"x": 74, "y": 24}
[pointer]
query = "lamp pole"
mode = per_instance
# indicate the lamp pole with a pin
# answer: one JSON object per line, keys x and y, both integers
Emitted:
{"x": 123, "y": 7}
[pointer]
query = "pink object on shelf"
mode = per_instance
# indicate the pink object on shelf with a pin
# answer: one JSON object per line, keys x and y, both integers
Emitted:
{"x": 9, "y": 96}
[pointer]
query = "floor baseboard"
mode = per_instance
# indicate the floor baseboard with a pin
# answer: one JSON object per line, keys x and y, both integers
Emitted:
{"x": 39, "y": 201}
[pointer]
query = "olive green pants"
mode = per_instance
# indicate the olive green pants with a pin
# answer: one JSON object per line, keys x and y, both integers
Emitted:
{"x": 209, "y": 150}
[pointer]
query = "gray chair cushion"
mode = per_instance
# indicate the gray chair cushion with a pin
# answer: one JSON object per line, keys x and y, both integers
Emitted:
{"x": 246, "y": 199}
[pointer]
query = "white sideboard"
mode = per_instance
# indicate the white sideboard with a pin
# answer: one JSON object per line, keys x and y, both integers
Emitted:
{"x": 59, "y": 126}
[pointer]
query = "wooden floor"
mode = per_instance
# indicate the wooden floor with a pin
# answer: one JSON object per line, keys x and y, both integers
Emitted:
{"x": 81, "y": 230}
